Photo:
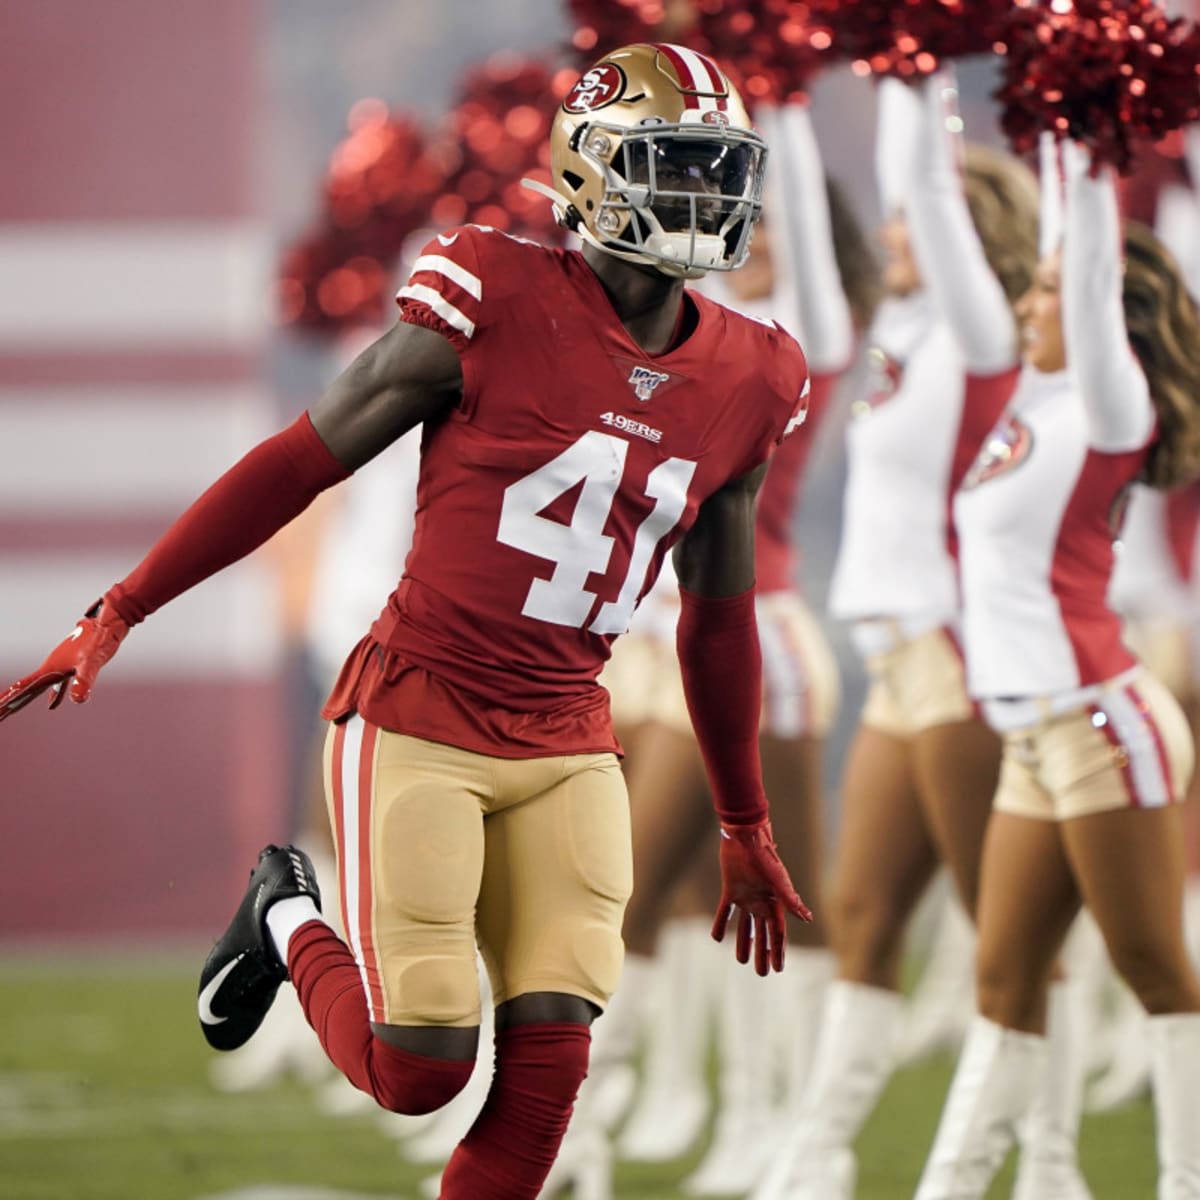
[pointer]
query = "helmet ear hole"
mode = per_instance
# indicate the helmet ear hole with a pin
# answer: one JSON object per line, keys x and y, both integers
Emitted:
{"x": 573, "y": 180}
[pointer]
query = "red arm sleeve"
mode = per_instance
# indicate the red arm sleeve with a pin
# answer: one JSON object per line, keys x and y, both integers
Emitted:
{"x": 254, "y": 499}
{"x": 721, "y": 664}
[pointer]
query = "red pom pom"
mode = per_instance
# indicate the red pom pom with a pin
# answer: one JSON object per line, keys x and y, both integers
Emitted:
{"x": 908, "y": 38}
{"x": 603, "y": 25}
{"x": 1107, "y": 73}
{"x": 382, "y": 179}
{"x": 770, "y": 48}
{"x": 387, "y": 181}
{"x": 500, "y": 130}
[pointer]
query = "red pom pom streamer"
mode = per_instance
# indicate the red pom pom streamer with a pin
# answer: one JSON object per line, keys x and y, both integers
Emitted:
{"x": 769, "y": 48}
{"x": 387, "y": 180}
{"x": 382, "y": 179}
{"x": 909, "y": 38}
{"x": 1107, "y": 73}
{"x": 603, "y": 25}
{"x": 500, "y": 132}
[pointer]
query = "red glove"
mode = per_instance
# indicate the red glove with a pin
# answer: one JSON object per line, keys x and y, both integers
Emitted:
{"x": 78, "y": 657}
{"x": 756, "y": 882}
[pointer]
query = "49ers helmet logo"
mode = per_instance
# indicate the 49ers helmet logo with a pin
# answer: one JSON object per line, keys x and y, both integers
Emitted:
{"x": 600, "y": 85}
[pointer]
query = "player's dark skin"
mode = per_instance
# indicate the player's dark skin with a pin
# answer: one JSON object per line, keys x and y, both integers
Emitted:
{"x": 412, "y": 375}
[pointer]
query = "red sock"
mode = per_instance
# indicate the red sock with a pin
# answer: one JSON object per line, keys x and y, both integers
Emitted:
{"x": 331, "y": 993}
{"x": 509, "y": 1150}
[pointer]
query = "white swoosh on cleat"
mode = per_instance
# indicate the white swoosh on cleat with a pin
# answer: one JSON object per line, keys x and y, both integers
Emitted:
{"x": 210, "y": 990}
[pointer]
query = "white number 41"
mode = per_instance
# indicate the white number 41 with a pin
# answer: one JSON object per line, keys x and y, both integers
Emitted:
{"x": 582, "y": 548}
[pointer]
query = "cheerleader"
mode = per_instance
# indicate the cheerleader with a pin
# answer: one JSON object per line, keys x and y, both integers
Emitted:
{"x": 921, "y": 769}
{"x": 1097, "y": 754}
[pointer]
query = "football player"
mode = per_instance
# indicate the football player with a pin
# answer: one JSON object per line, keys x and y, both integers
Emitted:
{"x": 583, "y": 413}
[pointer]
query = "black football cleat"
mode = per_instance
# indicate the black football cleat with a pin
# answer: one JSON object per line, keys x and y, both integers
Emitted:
{"x": 243, "y": 972}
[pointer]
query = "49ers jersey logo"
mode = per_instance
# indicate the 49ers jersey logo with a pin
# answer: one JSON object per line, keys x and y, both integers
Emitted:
{"x": 597, "y": 87}
{"x": 884, "y": 374}
{"x": 1006, "y": 447}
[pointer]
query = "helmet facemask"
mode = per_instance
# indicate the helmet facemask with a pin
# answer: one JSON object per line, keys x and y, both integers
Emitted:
{"x": 681, "y": 197}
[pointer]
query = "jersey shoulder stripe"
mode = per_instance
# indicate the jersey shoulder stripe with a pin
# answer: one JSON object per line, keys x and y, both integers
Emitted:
{"x": 442, "y": 307}
{"x": 446, "y": 279}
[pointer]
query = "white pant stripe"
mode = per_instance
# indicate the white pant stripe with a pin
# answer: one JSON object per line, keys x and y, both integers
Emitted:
{"x": 351, "y": 860}
{"x": 1132, "y": 728}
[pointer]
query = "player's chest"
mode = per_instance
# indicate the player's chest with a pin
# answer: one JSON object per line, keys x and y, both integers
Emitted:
{"x": 596, "y": 390}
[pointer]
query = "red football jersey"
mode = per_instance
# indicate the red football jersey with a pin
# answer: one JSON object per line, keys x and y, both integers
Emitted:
{"x": 550, "y": 495}
{"x": 776, "y": 564}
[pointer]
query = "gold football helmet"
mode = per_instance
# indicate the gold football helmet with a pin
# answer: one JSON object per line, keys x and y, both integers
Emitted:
{"x": 653, "y": 160}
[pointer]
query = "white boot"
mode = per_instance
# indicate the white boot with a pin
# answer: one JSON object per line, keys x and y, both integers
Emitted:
{"x": 1126, "y": 1075}
{"x": 998, "y": 1075}
{"x": 673, "y": 1104}
{"x": 617, "y": 1036}
{"x": 744, "y": 1133}
{"x": 854, "y": 1060}
{"x": 1093, "y": 980}
{"x": 584, "y": 1164}
{"x": 796, "y": 1009}
{"x": 1175, "y": 1059}
{"x": 1049, "y": 1166}
{"x": 943, "y": 1002}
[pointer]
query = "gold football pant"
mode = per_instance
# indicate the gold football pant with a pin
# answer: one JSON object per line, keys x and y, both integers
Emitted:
{"x": 440, "y": 849}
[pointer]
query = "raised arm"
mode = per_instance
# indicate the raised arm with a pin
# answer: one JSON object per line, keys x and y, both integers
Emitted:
{"x": 407, "y": 376}
{"x": 948, "y": 249}
{"x": 1112, "y": 383}
{"x": 802, "y": 237}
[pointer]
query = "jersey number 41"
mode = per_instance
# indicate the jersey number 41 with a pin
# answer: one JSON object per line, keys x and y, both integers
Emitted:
{"x": 582, "y": 548}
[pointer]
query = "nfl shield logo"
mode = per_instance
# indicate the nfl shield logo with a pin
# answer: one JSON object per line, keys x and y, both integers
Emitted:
{"x": 643, "y": 381}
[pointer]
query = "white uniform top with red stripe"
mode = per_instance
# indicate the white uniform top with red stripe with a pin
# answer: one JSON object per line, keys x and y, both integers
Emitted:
{"x": 1148, "y": 578}
{"x": 1035, "y": 514}
{"x": 894, "y": 559}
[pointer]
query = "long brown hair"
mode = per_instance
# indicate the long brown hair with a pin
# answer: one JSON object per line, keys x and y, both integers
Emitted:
{"x": 1163, "y": 325}
{"x": 1002, "y": 195}
{"x": 856, "y": 262}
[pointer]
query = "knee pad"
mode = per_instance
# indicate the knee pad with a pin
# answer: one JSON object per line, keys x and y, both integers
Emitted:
{"x": 435, "y": 990}
{"x": 597, "y": 953}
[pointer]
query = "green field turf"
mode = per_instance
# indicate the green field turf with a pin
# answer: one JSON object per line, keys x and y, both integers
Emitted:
{"x": 104, "y": 1096}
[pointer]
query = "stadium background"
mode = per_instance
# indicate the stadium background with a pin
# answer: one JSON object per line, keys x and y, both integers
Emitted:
{"x": 159, "y": 158}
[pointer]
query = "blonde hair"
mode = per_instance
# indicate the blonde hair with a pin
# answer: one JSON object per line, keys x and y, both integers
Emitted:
{"x": 1163, "y": 326}
{"x": 1003, "y": 197}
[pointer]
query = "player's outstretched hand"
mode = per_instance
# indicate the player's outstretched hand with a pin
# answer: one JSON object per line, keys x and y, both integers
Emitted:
{"x": 756, "y": 883}
{"x": 77, "y": 659}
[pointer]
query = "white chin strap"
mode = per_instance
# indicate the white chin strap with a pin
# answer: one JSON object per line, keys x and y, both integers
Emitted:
{"x": 666, "y": 252}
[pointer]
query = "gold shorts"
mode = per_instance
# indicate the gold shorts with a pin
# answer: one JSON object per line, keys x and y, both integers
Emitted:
{"x": 801, "y": 685}
{"x": 440, "y": 849}
{"x": 1130, "y": 748}
{"x": 919, "y": 683}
